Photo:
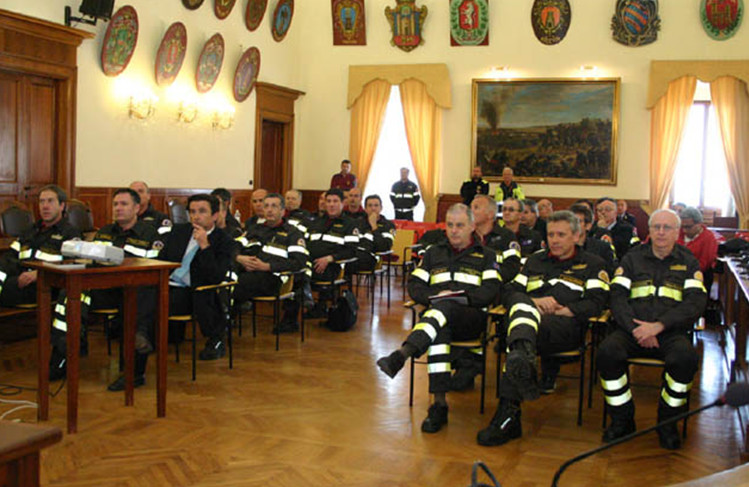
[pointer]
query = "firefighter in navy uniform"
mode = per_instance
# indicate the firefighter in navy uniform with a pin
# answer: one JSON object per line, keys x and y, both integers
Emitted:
{"x": 226, "y": 220}
{"x": 147, "y": 213}
{"x": 472, "y": 187}
{"x": 137, "y": 239}
{"x": 530, "y": 241}
{"x": 40, "y": 242}
{"x": 549, "y": 304}
{"x": 623, "y": 235}
{"x": 657, "y": 294}
{"x": 595, "y": 246}
{"x": 376, "y": 234}
{"x": 467, "y": 363}
{"x": 404, "y": 194}
{"x": 268, "y": 254}
{"x": 331, "y": 239}
{"x": 295, "y": 215}
{"x": 258, "y": 196}
{"x": 465, "y": 273}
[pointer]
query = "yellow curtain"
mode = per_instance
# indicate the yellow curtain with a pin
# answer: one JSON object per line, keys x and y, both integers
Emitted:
{"x": 423, "y": 120}
{"x": 367, "y": 115}
{"x": 729, "y": 96}
{"x": 667, "y": 122}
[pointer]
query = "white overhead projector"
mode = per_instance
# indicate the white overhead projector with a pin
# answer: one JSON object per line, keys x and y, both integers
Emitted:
{"x": 79, "y": 249}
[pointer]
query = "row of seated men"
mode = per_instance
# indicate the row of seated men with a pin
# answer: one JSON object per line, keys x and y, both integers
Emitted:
{"x": 655, "y": 295}
{"x": 261, "y": 258}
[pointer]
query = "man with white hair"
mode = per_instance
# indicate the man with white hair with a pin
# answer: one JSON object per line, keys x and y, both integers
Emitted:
{"x": 656, "y": 296}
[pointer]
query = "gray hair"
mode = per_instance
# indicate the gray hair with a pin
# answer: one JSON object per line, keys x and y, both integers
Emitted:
{"x": 532, "y": 205}
{"x": 489, "y": 200}
{"x": 565, "y": 216}
{"x": 692, "y": 213}
{"x": 521, "y": 205}
{"x": 460, "y": 208}
{"x": 665, "y": 210}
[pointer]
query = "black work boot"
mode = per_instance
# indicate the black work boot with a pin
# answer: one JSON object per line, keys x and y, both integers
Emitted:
{"x": 668, "y": 435}
{"x": 622, "y": 422}
{"x": 392, "y": 363}
{"x": 504, "y": 426}
{"x": 520, "y": 368}
{"x": 463, "y": 378}
{"x": 436, "y": 418}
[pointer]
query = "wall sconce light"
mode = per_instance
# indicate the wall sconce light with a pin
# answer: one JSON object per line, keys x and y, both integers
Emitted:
{"x": 142, "y": 106}
{"x": 223, "y": 118}
{"x": 187, "y": 112}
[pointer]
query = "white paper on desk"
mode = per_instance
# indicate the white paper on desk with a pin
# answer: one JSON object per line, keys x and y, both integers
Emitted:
{"x": 459, "y": 297}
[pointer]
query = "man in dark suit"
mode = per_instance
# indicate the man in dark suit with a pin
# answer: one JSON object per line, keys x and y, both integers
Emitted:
{"x": 205, "y": 251}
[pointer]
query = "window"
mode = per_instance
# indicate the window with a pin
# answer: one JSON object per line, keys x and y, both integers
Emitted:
{"x": 701, "y": 177}
{"x": 391, "y": 155}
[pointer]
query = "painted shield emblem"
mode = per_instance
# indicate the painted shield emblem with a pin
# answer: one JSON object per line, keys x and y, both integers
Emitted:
{"x": 119, "y": 41}
{"x": 282, "y": 19}
{"x": 406, "y": 22}
{"x": 551, "y": 20}
{"x": 171, "y": 53}
{"x": 469, "y": 22}
{"x": 721, "y": 18}
{"x": 349, "y": 23}
{"x": 636, "y": 22}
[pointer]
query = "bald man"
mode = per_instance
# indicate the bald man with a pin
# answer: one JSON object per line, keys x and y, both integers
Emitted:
{"x": 258, "y": 215}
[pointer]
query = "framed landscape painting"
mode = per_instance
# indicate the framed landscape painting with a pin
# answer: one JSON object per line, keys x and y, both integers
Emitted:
{"x": 554, "y": 131}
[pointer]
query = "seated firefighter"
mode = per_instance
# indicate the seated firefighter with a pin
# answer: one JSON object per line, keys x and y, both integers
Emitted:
{"x": 455, "y": 280}
{"x": 549, "y": 304}
{"x": 657, "y": 294}
{"x": 376, "y": 234}
{"x": 269, "y": 253}
{"x": 42, "y": 241}
{"x": 138, "y": 239}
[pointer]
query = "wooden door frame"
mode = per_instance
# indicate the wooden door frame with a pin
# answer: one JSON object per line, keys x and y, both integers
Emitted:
{"x": 275, "y": 104}
{"x": 48, "y": 50}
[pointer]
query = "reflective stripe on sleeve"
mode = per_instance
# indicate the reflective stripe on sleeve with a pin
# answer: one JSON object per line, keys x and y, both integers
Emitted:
{"x": 24, "y": 254}
{"x": 533, "y": 285}
{"x": 667, "y": 292}
{"x": 490, "y": 274}
{"x": 521, "y": 279}
{"x": 47, "y": 257}
{"x": 467, "y": 278}
{"x": 420, "y": 274}
{"x": 694, "y": 284}
{"x": 622, "y": 281}
{"x": 134, "y": 250}
{"x": 333, "y": 239}
{"x": 298, "y": 248}
{"x": 642, "y": 292}
{"x": 275, "y": 251}
{"x": 439, "y": 278}
{"x": 571, "y": 285}
{"x": 16, "y": 245}
{"x": 596, "y": 284}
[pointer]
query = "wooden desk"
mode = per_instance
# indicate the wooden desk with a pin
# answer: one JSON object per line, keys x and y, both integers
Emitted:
{"x": 132, "y": 274}
{"x": 19, "y": 452}
{"x": 734, "y": 295}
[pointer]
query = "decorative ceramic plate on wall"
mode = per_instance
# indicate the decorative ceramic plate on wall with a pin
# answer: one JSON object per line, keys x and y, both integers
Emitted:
{"x": 246, "y": 73}
{"x": 223, "y": 8}
{"x": 209, "y": 63}
{"x": 119, "y": 41}
{"x": 171, "y": 53}
{"x": 254, "y": 13}
{"x": 282, "y": 19}
{"x": 192, "y": 4}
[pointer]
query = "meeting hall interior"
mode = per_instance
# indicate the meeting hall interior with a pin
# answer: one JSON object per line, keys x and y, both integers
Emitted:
{"x": 640, "y": 103}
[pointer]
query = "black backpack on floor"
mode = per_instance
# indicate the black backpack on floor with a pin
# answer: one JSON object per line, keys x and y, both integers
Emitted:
{"x": 342, "y": 316}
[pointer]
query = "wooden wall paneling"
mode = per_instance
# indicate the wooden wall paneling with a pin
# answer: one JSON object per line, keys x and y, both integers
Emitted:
{"x": 309, "y": 198}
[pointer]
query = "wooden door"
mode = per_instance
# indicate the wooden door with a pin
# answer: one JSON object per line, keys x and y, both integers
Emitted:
{"x": 271, "y": 159}
{"x": 27, "y": 139}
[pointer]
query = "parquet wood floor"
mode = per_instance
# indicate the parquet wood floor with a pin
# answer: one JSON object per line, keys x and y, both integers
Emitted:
{"x": 321, "y": 414}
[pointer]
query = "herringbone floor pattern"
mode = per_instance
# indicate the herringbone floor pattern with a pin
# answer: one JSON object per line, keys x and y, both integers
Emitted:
{"x": 321, "y": 414}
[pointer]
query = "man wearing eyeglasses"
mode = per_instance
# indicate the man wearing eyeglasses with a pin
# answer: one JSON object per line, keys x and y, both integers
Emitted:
{"x": 529, "y": 240}
{"x": 656, "y": 296}
{"x": 622, "y": 234}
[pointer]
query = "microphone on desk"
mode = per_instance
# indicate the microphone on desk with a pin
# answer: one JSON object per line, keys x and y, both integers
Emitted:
{"x": 736, "y": 395}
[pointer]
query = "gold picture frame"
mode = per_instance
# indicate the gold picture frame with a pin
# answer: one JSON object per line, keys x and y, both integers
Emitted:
{"x": 548, "y": 130}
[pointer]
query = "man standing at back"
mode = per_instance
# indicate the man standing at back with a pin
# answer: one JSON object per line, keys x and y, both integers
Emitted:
{"x": 344, "y": 180}
{"x": 405, "y": 196}
{"x": 258, "y": 196}
{"x": 472, "y": 187}
{"x": 508, "y": 188}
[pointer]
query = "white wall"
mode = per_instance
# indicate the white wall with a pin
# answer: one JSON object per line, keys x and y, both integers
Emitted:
{"x": 323, "y": 129}
{"x": 113, "y": 149}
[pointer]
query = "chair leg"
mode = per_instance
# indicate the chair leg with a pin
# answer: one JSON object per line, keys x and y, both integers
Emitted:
{"x": 581, "y": 389}
{"x": 373, "y": 282}
{"x": 194, "y": 348}
{"x": 411, "y": 385}
{"x": 388, "y": 271}
{"x": 176, "y": 351}
{"x": 229, "y": 333}
{"x": 483, "y": 376}
{"x": 276, "y": 324}
{"x": 239, "y": 320}
{"x": 254, "y": 319}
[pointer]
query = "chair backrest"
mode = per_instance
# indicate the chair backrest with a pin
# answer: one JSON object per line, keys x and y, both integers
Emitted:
{"x": 80, "y": 215}
{"x": 15, "y": 220}
{"x": 403, "y": 240}
{"x": 178, "y": 211}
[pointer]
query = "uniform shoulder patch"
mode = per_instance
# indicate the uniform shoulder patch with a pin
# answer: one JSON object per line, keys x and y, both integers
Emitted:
{"x": 607, "y": 238}
{"x": 678, "y": 267}
{"x": 604, "y": 276}
{"x": 619, "y": 271}
{"x": 157, "y": 245}
{"x": 356, "y": 232}
{"x": 166, "y": 223}
{"x": 301, "y": 242}
{"x": 698, "y": 275}
{"x": 514, "y": 245}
